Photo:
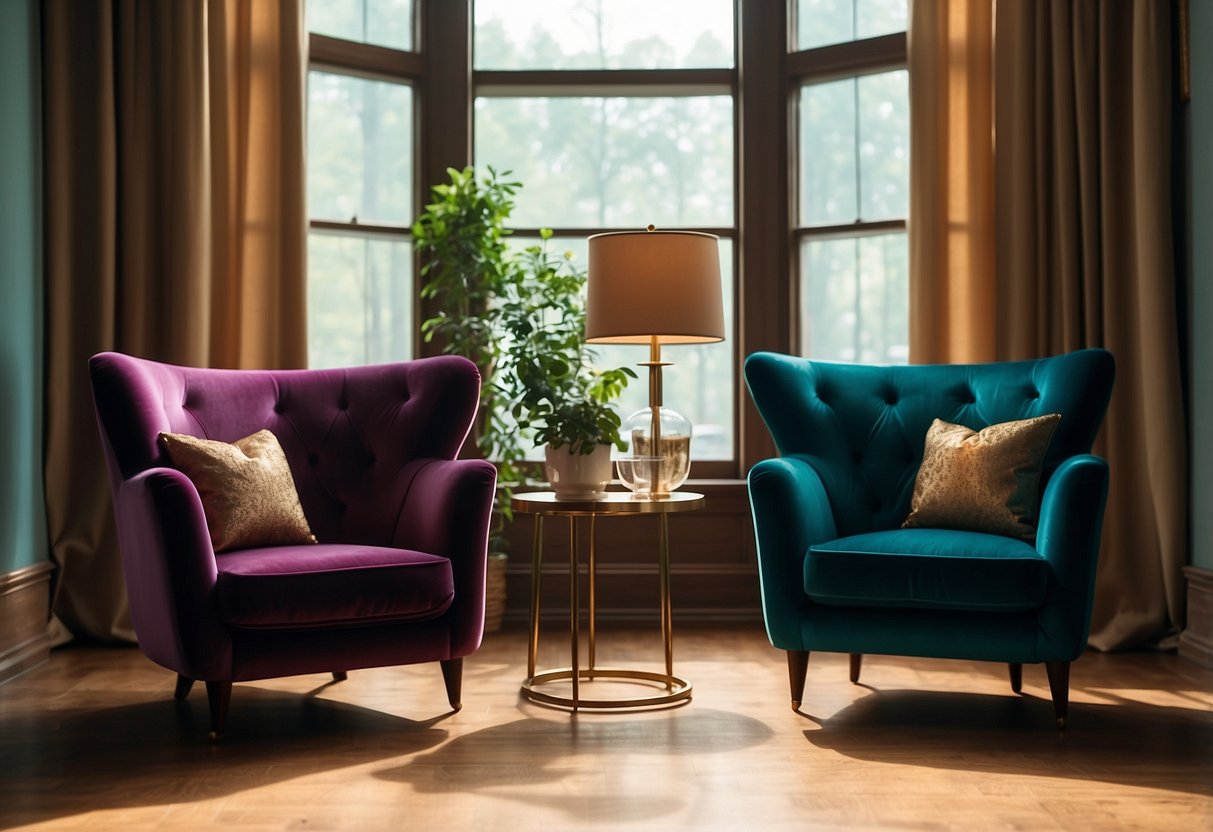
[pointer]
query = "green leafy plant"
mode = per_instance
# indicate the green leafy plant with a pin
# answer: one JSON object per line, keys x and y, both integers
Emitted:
{"x": 521, "y": 318}
{"x": 461, "y": 237}
{"x": 547, "y": 372}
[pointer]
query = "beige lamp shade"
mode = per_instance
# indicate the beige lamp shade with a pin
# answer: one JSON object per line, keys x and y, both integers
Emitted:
{"x": 654, "y": 283}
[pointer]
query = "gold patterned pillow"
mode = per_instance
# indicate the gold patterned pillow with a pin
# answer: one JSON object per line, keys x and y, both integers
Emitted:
{"x": 247, "y": 491}
{"x": 984, "y": 481}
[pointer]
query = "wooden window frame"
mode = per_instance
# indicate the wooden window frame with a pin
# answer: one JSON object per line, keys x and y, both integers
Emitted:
{"x": 370, "y": 62}
{"x": 835, "y": 62}
{"x": 374, "y": 62}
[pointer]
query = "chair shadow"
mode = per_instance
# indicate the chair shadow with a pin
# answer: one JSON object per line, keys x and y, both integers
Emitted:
{"x": 1126, "y": 742}
{"x": 532, "y": 752}
{"x": 58, "y": 763}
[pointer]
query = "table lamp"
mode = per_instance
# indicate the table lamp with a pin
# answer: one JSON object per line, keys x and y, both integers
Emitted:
{"x": 656, "y": 287}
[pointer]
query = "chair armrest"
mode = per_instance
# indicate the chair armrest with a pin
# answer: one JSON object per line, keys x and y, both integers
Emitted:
{"x": 791, "y": 512}
{"x": 1071, "y": 519}
{"x": 447, "y": 512}
{"x": 170, "y": 572}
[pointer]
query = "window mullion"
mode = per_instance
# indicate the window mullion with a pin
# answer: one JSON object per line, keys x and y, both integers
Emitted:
{"x": 851, "y": 229}
{"x": 445, "y": 115}
{"x": 329, "y": 53}
{"x": 849, "y": 59}
{"x": 765, "y": 294}
{"x": 605, "y": 82}
{"x": 361, "y": 228}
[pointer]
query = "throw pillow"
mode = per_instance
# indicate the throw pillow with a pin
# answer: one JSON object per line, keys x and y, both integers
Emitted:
{"x": 247, "y": 491}
{"x": 984, "y": 481}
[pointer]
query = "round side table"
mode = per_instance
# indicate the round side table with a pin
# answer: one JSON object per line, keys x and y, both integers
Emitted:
{"x": 614, "y": 504}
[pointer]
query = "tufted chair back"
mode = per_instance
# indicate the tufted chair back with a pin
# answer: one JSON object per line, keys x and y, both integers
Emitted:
{"x": 862, "y": 428}
{"x": 355, "y": 438}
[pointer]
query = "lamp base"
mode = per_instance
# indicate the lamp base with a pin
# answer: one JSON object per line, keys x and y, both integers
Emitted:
{"x": 673, "y": 447}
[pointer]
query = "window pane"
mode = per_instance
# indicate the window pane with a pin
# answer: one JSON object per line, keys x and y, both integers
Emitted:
{"x": 360, "y": 300}
{"x": 360, "y": 149}
{"x": 594, "y": 34}
{"x": 884, "y": 145}
{"x": 381, "y": 22}
{"x": 825, "y": 22}
{"x": 828, "y": 166}
{"x": 855, "y": 149}
{"x": 854, "y": 299}
{"x": 613, "y": 162}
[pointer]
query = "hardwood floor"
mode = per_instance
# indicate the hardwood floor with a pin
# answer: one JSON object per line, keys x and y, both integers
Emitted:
{"x": 94, "y": 740}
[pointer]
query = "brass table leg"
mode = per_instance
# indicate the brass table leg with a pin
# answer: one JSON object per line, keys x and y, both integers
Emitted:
{"x": 536, "y": 568}
{"x": 676, "y": 689}
{"x": 593, "y": 593}
{"x": 667, "y": 612}
{"x": 574, "y": 613}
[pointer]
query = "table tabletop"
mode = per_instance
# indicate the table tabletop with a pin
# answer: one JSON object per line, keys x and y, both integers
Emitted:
{"x": 613, "y": 502}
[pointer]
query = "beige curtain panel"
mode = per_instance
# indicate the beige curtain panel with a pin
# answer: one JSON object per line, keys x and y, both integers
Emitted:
{"x": 1077, "y": 251}
{"x": 951, "y": 225}
{"x": 175, "y": 229}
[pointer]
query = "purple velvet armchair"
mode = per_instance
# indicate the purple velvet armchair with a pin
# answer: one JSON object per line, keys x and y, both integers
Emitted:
{"x": 398, "y": 574}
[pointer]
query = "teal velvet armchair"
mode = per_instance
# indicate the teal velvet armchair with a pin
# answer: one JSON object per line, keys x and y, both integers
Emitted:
{"x": 837, "y": 571}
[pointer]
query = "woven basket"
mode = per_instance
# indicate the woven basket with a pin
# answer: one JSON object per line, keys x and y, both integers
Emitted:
{"x": 494, "y": 593}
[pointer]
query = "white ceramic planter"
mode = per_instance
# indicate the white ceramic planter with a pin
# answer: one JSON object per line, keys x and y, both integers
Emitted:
{"x": 578, "y": 476}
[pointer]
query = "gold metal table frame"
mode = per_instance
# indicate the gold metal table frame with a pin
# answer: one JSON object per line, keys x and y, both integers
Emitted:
{"x": 544, "y": 504}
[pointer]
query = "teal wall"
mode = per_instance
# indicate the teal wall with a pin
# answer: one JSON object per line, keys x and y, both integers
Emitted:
{"x": 22, "y": 523}
{"x": 1200, "y": 114}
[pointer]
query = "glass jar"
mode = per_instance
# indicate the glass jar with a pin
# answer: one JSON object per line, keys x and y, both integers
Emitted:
{"x": 674, "y": 446}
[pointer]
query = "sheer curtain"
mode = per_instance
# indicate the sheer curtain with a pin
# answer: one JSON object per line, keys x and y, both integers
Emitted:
{"x": 1078, "y": 251}
{"x": 175, "y": 229}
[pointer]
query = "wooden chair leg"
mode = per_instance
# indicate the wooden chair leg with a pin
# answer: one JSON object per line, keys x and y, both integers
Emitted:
{"x": 798, "y": 667}
{"x": 452, "y": 675}
{"x": 1016, "y": 671}
{"x": 218, "y": 696}
{"x": 184, "y": 686}
{"x": 340, "y": 675}
{"x": 1059, "y": 686}
{"x": 856, "y": 664}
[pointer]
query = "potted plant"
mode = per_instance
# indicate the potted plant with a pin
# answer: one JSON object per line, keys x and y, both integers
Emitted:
{"x": 547, "y": 374}
{"x": 511, "y": 313}
{"x": 461, "y": 237}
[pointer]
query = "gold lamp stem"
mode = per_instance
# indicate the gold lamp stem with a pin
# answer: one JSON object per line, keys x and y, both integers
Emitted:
{"x": 655, "y": 364}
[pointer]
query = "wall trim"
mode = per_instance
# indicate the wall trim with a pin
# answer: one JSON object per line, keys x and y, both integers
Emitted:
{"x": 24, "y": 611}
{"x": 1196, "y": 641}
{"x": 630, "y": 617}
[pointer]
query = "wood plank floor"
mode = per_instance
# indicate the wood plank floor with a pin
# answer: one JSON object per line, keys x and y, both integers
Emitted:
{"x": 93, "y": 740}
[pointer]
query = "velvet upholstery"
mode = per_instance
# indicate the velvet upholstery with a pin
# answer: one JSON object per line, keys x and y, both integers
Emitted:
{"x": 293, "y": 586}
{"x": 399, "y": 571}
{"x": 926, "y": 569}
{"x": 838, "y": 573}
